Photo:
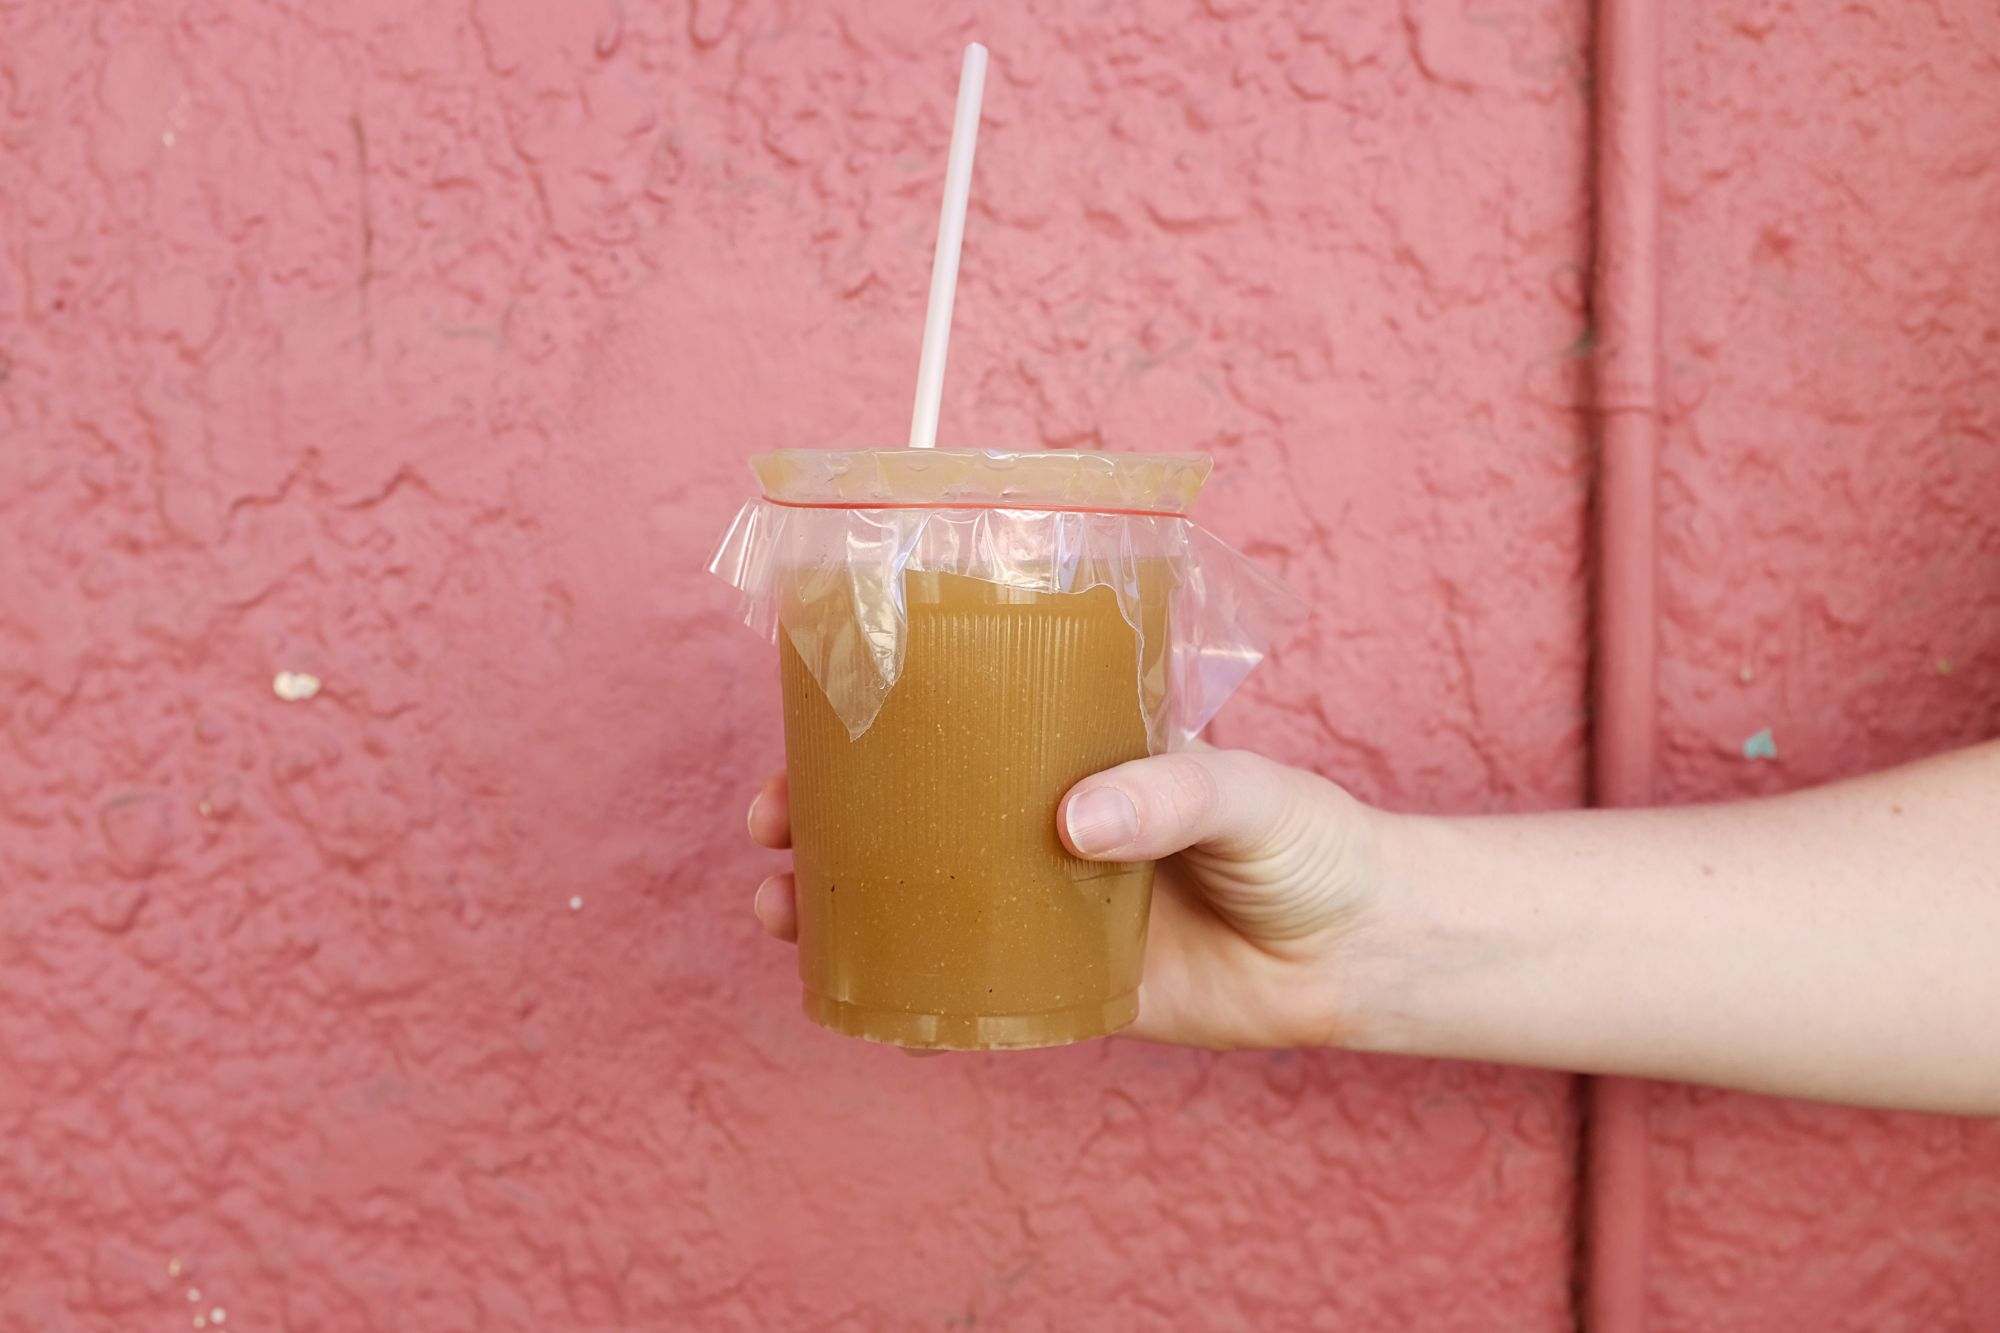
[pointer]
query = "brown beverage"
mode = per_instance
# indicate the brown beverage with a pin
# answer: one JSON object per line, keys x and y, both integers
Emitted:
{"x": 937, "y": 906}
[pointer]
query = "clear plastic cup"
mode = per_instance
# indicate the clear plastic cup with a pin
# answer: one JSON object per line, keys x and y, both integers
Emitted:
{"x": 963, "y": 636}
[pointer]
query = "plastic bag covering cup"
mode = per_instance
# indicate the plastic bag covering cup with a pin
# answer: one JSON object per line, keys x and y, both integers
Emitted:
{"x": 963, "y": 636}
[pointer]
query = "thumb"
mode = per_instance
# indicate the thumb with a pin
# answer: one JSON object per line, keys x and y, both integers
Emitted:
{"x": 1228, "y": 801}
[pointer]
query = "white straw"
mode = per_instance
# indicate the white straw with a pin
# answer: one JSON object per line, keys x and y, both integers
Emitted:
{"x": 951, "y": 234}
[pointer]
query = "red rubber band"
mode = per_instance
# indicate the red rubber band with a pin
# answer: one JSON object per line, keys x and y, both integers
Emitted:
{"x": 922, "y": 504}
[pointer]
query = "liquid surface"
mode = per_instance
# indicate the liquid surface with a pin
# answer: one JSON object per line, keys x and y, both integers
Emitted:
{"x": 937, "y": 906}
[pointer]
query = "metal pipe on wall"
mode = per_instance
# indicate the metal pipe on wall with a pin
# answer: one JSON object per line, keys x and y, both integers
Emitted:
{"x": 1625, "y": 670}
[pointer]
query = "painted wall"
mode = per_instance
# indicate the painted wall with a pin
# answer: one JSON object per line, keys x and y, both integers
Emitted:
{"x": 419, "y": 355}
{"x": 1831, "y": 530}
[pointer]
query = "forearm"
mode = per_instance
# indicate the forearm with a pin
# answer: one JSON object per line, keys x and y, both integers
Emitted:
{"x": 1841, "y": 943}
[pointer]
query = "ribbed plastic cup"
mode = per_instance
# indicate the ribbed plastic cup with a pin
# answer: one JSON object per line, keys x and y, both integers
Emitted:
{"x": 937, "y": 904}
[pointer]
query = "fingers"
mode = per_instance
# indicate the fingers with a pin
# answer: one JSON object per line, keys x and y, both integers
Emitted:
{"x": 777, "y": 907}
{"x": 1228, "y": 800}
{"x": 770, "y": 820}
{"x": 770, "y": 817}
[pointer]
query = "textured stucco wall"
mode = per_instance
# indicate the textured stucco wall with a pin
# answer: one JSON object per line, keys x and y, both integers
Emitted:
{"x": 1831, "y": 529}
{"x": 421, "y": 354}
{"x": 418, "y": 348}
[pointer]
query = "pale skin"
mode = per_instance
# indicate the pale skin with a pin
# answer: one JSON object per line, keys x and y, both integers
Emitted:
{"x": 1841, "y": 943}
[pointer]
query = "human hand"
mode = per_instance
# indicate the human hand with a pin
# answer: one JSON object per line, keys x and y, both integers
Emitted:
{"x": 1261, "y": 905}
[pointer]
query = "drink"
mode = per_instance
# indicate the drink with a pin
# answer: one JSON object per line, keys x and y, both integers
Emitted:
{"x": 963, "y": 636}
{"x": 937, "y": 906}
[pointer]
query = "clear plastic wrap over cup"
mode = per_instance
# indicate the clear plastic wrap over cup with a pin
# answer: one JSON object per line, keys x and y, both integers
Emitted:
{"x": 963, "y": 635}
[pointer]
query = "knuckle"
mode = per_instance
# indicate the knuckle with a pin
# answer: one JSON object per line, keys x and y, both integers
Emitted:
{"x": 1189, "y": 791}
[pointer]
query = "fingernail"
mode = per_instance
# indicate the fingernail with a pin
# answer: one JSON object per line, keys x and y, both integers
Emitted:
{"x": 1102, "y": 819}
{"x": 757, "y": 899}
{"x": 750, "y": 816}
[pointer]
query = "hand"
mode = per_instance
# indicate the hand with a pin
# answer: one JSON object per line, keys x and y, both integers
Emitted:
{"x": 1261, "y": 908}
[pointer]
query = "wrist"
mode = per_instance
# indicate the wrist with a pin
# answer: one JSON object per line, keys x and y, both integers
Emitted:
{"x": 1395, "y": 967}
{"x": 1480, "y": 946}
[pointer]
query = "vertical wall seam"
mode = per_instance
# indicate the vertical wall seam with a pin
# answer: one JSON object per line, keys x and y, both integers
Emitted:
{"x": 1625, "y": 655}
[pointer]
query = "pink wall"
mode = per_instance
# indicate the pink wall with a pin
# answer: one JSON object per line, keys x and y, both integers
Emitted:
{"x": 1831, "y": 544}
{"x": 422, "y": 355}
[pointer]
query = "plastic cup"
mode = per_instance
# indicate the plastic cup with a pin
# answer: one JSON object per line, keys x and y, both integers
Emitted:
{"x": 937, "y": 906}
{"x": 962, "y": 637}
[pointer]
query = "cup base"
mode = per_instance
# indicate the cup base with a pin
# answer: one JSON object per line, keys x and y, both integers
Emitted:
{"x": 973, "y": 1032}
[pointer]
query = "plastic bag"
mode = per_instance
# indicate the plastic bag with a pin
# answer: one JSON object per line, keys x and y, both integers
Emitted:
{"x": 823, "y": 556}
